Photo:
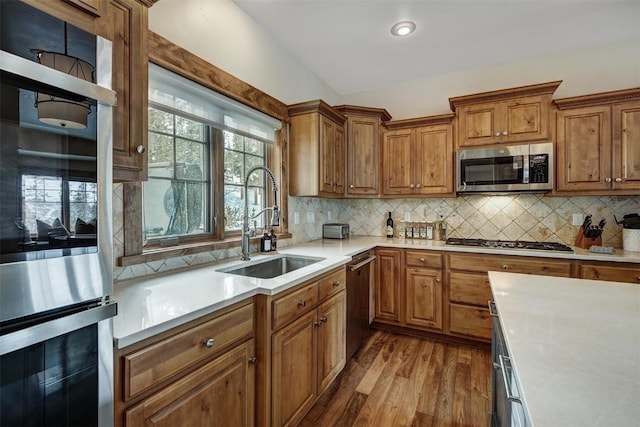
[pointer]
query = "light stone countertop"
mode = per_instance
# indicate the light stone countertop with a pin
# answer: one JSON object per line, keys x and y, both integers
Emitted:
{"x": 574, "y": 346}
{"x": 153, "y": 304}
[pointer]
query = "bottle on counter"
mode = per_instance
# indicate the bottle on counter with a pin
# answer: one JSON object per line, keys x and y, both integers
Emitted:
{"x": 443, "y": 230}
{"x": 274, "y": 240}
{"x": 265, "y": 242}
{"x": 390, "y": 226}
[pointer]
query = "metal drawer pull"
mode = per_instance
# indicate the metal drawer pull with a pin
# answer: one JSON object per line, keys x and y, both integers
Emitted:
{"x": 422, "y": 260}
{"x": 492, "y": 308}
{"x": 253, "y": 360}
{"x": 503, "y": 361}
{"x": 336, "y": 284}
{"x": 505, "y": 267}
{"x": 323, "y": 319}
{"x": 209, "y": 343}
{"x": 302, "y": 303}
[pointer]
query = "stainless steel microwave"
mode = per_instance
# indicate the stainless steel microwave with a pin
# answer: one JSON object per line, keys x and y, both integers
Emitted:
{"x": 506, "y": 168}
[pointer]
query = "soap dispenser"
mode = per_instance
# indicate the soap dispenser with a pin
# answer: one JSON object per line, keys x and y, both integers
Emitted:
{"x": 265, "y": 242}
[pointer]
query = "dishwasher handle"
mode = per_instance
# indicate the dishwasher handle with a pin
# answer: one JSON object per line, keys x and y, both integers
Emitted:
{"x": 354, "y": 267}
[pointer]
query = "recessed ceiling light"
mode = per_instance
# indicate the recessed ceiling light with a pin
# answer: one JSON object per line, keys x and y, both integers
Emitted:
{"x": 403, "y": 28}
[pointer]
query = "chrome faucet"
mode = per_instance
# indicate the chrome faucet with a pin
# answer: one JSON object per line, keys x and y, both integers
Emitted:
{"x": 275, "y": 216}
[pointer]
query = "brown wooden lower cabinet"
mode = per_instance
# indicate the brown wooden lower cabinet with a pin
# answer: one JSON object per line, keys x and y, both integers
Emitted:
{"x": 307, "y": 355}
{"x": 615, "y": 272}
{"x": 219, "y": 393}
{"x": 200, "y": 373}
{"x": 424, "y": 298}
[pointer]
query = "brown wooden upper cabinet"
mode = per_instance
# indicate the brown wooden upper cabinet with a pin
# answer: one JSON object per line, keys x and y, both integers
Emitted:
{"x": 363, "y": 130}
{"x": 127, "y": 25}
{"x": 417, "y": 156}
{"x": 316, "y": 150}
{"x": 502, "y": 116}
{"x": 598, "y": 143}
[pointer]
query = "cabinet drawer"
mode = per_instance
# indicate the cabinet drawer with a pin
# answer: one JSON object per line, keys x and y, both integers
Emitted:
{"x": 332, "y": 283}
{"x": 471, "y": 321}
{"x": 293, "y": 305}
{"x": 629, "y": 274}
{"x": 151, "y": 365}
{"x": 469, "y": 288}
{"x": 511, "y": 264}
{"x": 423, "y": 259}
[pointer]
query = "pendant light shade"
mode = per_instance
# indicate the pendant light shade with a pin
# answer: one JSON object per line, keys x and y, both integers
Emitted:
{"x": 58, "y": 111}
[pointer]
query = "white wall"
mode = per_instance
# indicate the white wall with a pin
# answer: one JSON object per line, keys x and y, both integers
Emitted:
{"x": 221, "y": 33}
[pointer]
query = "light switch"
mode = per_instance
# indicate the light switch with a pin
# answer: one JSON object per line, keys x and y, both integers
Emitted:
{"x": 296, "y": 217}
{"x": 577, "y": 219}
{"x": 329, "y": 216}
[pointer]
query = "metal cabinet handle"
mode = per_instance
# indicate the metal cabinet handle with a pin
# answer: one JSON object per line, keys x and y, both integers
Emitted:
{"x": 317, "y": 324}
{"x": 253, "y": 360}
{"x": 411, "y": 186}
{"x": 418, "y": 185}
{"x": 505, "y": 133}
{"x": 302, "y": 303}
{"x": 607, "y": 180}
{"x": 497, "y": 133}
{"x": 422, "y": 260}
{"x": 618, "y": 179}
{"x": 505, "y": 267}
{"x": 492, "y": 308}
{"x": 351, "y": 186}
{"x": 209, "y": 343}
{"x": 437, "y": 280}
{"x": 140, "y": 149}
{"x": 336, "y": 284}
{"x": 503, "y": 361}
{"x": 323, "y": 319}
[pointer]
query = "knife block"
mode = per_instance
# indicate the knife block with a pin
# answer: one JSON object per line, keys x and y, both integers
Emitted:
{"x": 586, "y": 242}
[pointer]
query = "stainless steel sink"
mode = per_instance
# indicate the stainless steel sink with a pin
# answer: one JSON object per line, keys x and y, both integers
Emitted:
{"x": 272, "y": 267}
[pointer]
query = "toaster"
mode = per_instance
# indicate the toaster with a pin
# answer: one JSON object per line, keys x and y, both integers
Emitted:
{"x": 335, "y": 231}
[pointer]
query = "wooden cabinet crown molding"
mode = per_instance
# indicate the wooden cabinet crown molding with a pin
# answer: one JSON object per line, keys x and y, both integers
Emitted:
{"x": 598, "y": 99}
{"x": 168, "y": 55}
{"x": 517, "y": 92}
{"x": 364, "y": 111}
{"x": 442, "y": 119}
{"x": 317, "y": 105}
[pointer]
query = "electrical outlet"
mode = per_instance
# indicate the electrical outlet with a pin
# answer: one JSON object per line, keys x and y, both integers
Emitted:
{"x": 577, "y": 219}
{"x": 329, "y": 216}
{"x": 311, "y": 217}
{"x": 407, "y": 216}
{"x": 296, "y": 218}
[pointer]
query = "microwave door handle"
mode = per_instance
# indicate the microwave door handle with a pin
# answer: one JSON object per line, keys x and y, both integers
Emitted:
{"x": 525, "y": 170}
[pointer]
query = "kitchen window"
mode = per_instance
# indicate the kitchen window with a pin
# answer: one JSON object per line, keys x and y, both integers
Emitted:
{"x": 201, "y": 144}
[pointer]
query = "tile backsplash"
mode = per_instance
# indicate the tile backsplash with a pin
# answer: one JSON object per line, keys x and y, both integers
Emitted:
{"x": 507, "y": 217}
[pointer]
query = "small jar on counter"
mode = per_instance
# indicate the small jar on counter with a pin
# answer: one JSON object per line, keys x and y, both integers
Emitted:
{"x": 402, "y": 230}
{"x": 409, "y": 230}
{"x": 422, "y": 225}
{"x": 429, "y": 231}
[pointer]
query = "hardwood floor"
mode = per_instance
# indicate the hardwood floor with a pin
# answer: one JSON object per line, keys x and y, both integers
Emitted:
{"x": 396, "y": 380}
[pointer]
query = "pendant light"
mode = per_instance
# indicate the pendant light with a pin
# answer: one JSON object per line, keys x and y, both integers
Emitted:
{"x": 58, "y": 111}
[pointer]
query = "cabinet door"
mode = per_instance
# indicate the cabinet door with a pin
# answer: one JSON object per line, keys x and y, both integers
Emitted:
{"x": 327, "y": 151}
{"x": 584, "y": 149}
{"x": 524, "y": 119}
{"x": 434, "y": 159}
{"x": 479, "y": 124}
{"x": 363, "y": 156}
{"x": 397, "y": 160}
{"x": 294, "y": 370}
{"x": 626, "y": 146}
{"x": 339, "y": 163}
{"x": 128, "y": 31}
{"x": 332, "y": 336}
{"x": 219, "y": 393}
{"x": 388, "y": 285}
{"x": 424, "y": 297}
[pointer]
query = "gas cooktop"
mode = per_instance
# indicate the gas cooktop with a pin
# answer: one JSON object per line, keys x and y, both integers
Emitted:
{"x": 509, "y": 244}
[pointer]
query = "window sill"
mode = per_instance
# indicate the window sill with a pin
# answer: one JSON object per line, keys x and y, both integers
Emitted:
{"x": 157, "y": 254}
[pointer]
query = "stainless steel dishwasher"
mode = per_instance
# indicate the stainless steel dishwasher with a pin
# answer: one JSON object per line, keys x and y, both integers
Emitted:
{"x": 358, "y": 276}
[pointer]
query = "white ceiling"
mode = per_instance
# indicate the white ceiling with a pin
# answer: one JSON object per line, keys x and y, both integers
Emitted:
{"x": 347, "y": 43}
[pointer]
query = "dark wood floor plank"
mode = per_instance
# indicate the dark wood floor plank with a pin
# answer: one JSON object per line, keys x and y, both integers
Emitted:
{"x": 461, "y": 411}
{"x": 332, "y": 403}
{"x": 444, "y": 405}
{"x": 431, "y": 385}
{"x": 408, "y": 382}
{"x": 407, "y": 409}
{"x": 393, "y": 352}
